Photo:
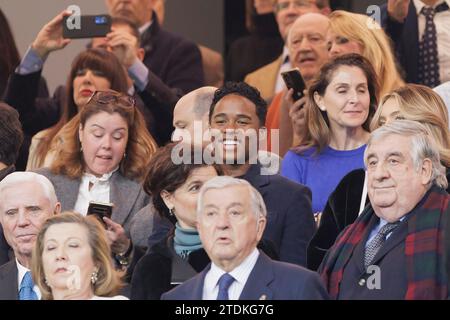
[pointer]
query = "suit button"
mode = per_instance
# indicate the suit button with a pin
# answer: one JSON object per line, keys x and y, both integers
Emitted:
{"x": 362, "y": 282}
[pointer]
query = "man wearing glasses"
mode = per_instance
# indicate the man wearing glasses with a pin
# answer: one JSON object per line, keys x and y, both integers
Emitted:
{"x": 267, "y": 79}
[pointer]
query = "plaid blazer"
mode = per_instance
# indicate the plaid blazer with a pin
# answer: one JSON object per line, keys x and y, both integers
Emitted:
{"x": 424, "y": 248}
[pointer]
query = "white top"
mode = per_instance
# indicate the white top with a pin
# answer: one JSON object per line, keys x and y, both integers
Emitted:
{"x": 99, "y": 192}
{"x": 442, "y": 22}
{"x": 20, "y": 274}
{"x": 444, "y": 91}
{"x": 285, "y": 66}
{"x": 240, "y": 274}
{"x": 109, "y": 298}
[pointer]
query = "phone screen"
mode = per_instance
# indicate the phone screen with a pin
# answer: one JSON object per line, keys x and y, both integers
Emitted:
{"x": 294, "y": 80}
{"x": 100, "y": 210}
{"x": 88, "y": 26}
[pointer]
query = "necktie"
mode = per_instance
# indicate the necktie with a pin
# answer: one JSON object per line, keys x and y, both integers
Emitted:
{"x": 377, "y": 242}
{"x": 225, "y": 282}
{"x": 428, "y": 51}
{"x": 26, "y": 291}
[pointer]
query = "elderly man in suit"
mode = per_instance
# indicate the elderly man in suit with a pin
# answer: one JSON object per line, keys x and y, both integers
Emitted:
{"x": 267, "y": 79}
{"x": 231, "y": 217}
{"x": 395, "y": 248}
{"x": 27, "y": 199}
{"x": 420, "y": 30}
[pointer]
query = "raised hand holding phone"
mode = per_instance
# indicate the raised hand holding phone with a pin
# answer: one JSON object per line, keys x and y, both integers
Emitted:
{"x": 294, "y": 80}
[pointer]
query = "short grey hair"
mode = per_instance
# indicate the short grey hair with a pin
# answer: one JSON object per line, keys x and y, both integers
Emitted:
{"x": 423, "y": 146}
{"x": 220, "y": 182}
{"x": 20, "y": 177}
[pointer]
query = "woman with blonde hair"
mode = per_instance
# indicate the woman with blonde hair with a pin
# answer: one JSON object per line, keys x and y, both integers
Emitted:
{"x": 100, "y": 156}
{"x": 71, "y": 260}
{"x": 358, "y": 33}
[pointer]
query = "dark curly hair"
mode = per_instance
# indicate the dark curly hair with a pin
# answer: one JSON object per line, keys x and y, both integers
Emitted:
{"x": 244, "y": 90}
{"x": 164, "y": 174}
{"x": 11, "y": 134}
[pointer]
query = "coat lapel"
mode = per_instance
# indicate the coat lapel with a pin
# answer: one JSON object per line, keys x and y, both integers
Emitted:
{"x": 396, "y": 238}
{"x": 124, "y": 193}
{"x": 257, "y": 285}
{"x": 258, "y": 181}
{"x": 8, "y": 281}
{"x": 67, "y": 191}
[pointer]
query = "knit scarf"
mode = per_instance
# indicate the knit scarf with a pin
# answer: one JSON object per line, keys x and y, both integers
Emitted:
{"x": 424, "y": 249}
{"x": 185, "y": 241}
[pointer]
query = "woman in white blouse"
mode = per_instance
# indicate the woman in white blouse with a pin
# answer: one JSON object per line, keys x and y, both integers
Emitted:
{"x": 72, "y": 260}
{"x": 101, "y": 155}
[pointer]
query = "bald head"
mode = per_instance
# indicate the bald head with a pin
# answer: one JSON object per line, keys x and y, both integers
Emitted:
{"x": 192, "y": 107}
{"x": 307, "y": 44}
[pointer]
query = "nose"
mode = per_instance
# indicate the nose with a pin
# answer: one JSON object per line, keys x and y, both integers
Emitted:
{"x": 353, "y": 96}
{"x": 334, "y": 50}
{"x": 223, "y": 221}
{"x": 380, "y": 173}
{"x": 23, "y": 220}
{"x": 61, "y": 253}
{"x": 87, "y": 77}
{"x": 106, "y": 141}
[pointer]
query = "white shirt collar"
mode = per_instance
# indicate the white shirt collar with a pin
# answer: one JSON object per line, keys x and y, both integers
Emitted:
{"x": 419, "y": 4}
{"x": 145, "y": 27}
{"x": 240, "y": 273}
{"x": 284, "y": 54}
{"x": 21, "y": 270}
{"x": 94, "y": 179}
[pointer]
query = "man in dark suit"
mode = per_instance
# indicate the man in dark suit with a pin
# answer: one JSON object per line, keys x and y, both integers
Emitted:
{"x": 395, "y": 248}
{"x": 405, "y": 21}
{"x": 236, "y": 116}
{"x": 174, "y": 63}
{"x": 231, "y": 217}
{"x": 27, "y": 199}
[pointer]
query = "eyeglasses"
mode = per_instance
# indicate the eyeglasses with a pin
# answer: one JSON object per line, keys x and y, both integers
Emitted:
{"x": 297, "y": 4}
{"x": 105, "y": 97}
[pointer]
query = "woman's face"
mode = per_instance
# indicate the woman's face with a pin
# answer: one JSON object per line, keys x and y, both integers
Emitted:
{"x": 104, "y": 139}
{"x": 390, "y": 111}
{"x": 85, "y": 83}
{"x": 346, "y": 99}
{"x": 339, "y": 45}
{"x": 67, "y": 259}
{"x": 184, "y": 199}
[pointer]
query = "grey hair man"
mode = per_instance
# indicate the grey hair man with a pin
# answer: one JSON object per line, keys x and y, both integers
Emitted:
{"x": 403, "y": 227}
{"x": 27, "y": 199}
{"x": 231, "y": 217}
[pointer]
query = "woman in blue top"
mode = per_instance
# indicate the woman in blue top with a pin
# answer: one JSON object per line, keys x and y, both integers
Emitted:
{"x": 340, "y": 104}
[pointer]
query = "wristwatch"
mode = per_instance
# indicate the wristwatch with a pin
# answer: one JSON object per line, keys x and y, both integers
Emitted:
{"x": 124, "y": 258}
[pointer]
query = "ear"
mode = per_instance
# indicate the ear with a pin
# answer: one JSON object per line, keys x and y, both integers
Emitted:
{"x": 426, "y": 171}
{"x": 167, "y": 198}
{"x": 261, "y": 226}
{"x": 318, "y": 99}
{"x": 140, "y": 54}
{"x": 57, "y": 209}
{"x": 325, "y": 11}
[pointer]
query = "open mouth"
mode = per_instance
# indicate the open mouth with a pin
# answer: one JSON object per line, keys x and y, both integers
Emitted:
{"x": 105, "y": 157}
{"x": 86, "y": 93}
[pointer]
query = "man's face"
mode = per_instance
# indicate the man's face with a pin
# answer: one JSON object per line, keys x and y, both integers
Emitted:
{"x": 139, "y": 11}
{"x": 235, "y": 118}
{"x": 307, "y": 44}
{"x": 287, "y": 11}
{"x": 23, "y": 209}
{"x": 189, "y": 127}
{"x": 395, "y": 186}
{"x": 228, "y": 227}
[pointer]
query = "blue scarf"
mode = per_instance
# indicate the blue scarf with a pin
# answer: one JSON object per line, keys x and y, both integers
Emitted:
{"x": 186, "y": 241}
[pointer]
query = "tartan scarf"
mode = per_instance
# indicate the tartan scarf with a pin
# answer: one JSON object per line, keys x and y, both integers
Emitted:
{"x": 424, "y": 248}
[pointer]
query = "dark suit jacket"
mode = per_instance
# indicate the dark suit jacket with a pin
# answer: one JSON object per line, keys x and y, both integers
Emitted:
{"x": 127, "y": 195}
{"x": 5, "y": 249}
{"x": 290, "y": 221}
{"x": 8, "y": 281}
{"x": 273, "y": 279}
{"x": 405, "y": 37}
{"x": 174, "y": 63}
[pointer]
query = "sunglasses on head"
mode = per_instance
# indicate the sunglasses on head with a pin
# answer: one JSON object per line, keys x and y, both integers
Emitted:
{"x": 105, "y": 97}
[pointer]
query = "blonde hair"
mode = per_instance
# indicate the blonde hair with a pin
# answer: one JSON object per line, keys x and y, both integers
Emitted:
{"x": 140, "y": 145}
{"x": 109, "y": 280}
{"x": 375, "y": 43}
{"x": 422, "y": 104}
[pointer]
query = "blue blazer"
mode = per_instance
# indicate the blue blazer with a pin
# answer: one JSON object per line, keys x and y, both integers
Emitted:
{"x": 269, "y": 280}
{"x": 405, "y": 37}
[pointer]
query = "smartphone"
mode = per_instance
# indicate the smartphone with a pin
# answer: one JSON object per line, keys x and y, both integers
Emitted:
{"x": 100, "y": 210}
{"x": 89, "y": 26}
{"x": 294, "y": 80}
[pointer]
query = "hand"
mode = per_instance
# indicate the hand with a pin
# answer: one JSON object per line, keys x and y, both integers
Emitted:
{"x": 263, "y": 6}
{"x": 50, "y": 37}
{"x": 124, "y": 45}
{"x": 398, "y": 9}
{"x": 297, "y": 112}
{"x": 117, "y": 237}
